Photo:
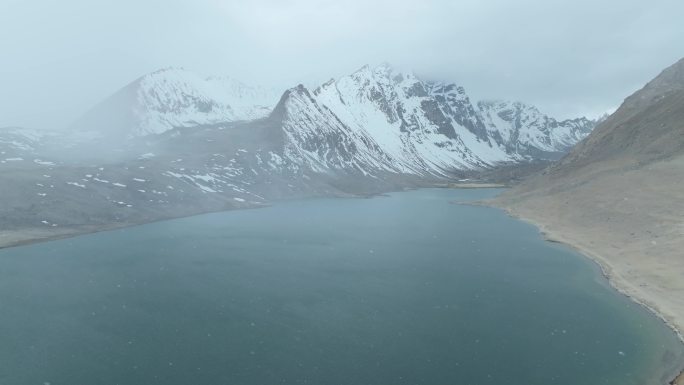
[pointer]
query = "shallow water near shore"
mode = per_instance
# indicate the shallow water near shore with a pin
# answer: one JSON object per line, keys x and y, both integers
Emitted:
{"x": 403, "y": 289}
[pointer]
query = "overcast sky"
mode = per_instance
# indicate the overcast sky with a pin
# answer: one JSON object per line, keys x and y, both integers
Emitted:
{"x": 574, "y": 57}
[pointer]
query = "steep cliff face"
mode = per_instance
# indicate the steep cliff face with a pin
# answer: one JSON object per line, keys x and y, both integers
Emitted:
{"x": 395, "y": 121}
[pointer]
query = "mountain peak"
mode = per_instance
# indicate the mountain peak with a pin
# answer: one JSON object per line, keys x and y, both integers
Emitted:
{"x": 381, "y": 71}
{"x": 364, "y": 69}
{"x": 174, "y": 97}
{"x": 384, "y": 67}
{"x": 167, "y": 70}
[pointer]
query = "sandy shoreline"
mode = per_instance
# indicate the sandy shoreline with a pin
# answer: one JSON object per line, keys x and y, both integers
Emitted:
{"x": 475, "y": 185}
{"x": 626, "y": 216}
{"x": 16, "y": 238}
{"x": 28, "y": 236}
{"x": 616, "y": 281}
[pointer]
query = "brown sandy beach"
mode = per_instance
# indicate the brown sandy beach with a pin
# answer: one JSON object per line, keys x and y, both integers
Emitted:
{"x": 616, "y": 274}
{"x": 618, "y": 197}
{"x": 630, "y": 222}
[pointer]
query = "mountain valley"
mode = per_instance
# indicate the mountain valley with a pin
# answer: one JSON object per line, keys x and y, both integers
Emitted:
{"x": 173, "y": 143}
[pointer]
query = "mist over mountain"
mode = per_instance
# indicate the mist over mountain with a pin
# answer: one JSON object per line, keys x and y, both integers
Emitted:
{"x": 221, "y": 192}
{"x": 173, "y": 143}
{"x": 173, "y": 98}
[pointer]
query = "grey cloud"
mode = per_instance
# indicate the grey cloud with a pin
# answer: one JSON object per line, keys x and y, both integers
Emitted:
{"x": 568, "y": 57}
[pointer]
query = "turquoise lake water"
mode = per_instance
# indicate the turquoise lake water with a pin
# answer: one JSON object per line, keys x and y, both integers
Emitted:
{"x": 401, "y": 289}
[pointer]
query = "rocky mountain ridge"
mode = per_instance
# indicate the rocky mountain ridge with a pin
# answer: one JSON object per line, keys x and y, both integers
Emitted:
{"x": 397, "y": 122}
{"x": 172, "y": 144}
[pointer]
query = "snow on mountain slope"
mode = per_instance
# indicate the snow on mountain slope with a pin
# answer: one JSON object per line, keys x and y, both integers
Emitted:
{"x": 382, "y": 119}
{"x": 171, "y": 98}
{"x": 409, "y": 125}
{"x": 19, "y": 144}
{"x": 524, "y": 129}
{"x": 19, "y": 138}
{"x": 396, "y": 110}
{"x": 374, "y": 120}
{"x": 173, "y": 143}
{"x": 24, "y": 148}
{"x": 248, "y": 101}
{"x": 315, "y": 136}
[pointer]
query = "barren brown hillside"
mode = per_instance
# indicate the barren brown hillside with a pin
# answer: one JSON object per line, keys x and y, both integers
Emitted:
{"x": 619, "y": 196}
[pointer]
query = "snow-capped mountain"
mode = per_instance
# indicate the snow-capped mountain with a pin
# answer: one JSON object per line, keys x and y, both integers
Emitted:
{"x": 358, "y": 124}
{"x": 382, "y": 119}
{"x": 376, "y": 119}
{"x": 173, "y": 143}
{"x": 173, "y": 97}
{"x": 522, "y": 129}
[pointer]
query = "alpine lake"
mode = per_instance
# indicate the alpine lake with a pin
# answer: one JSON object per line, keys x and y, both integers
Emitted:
{"x": 406, "y": 288}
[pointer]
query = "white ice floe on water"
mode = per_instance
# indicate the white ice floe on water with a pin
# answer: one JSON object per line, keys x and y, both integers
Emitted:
{"x": 43, "y": 162}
